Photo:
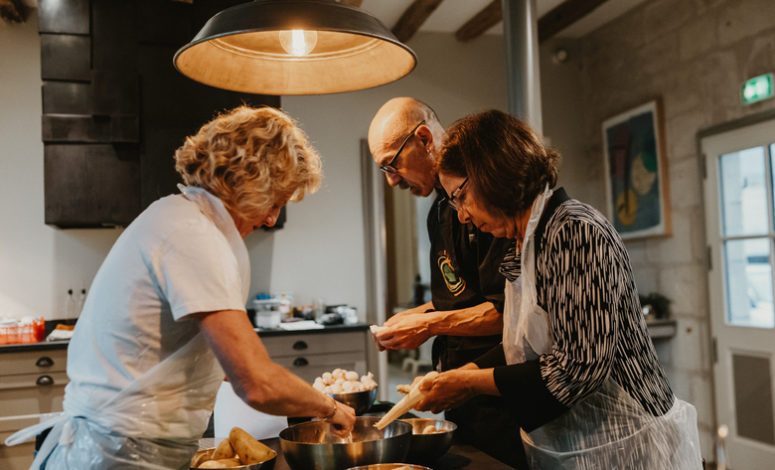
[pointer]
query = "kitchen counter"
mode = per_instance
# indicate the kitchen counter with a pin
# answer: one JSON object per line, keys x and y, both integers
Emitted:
{"x": 42, "y": 346}
{"x": 458, "y": 457}
{"x": 262, "y": 332}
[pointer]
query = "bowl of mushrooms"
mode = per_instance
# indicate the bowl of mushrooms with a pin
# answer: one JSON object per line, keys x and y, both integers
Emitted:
{"x": 346, "y": 386}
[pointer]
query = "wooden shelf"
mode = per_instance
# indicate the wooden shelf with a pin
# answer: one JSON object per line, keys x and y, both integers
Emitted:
{"x": 661, "y": 329}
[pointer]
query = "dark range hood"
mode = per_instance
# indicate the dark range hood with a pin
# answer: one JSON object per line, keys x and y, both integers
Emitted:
{"x": 114, "y": 107}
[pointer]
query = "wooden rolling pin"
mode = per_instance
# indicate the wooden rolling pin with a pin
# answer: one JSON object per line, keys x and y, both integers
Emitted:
{"x": 407, "y": 403}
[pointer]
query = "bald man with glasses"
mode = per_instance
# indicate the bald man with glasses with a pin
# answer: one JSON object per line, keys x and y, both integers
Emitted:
{"x": 465, "y": 311}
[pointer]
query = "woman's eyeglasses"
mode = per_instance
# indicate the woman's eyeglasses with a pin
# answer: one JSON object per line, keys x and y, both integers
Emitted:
{"x": 390, "y": 168}
{"x": 455, "y": 199}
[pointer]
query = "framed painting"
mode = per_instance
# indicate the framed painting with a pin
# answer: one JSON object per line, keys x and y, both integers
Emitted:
{"x": 637, "y": 189}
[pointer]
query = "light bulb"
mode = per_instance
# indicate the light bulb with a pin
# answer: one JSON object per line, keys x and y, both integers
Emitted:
{"x": 298, "y": 42}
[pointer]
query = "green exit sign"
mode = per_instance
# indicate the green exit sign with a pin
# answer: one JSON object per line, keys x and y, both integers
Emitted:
{"x": 757, "y": 89}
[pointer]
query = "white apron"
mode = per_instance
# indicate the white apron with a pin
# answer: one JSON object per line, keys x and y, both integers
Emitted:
{"x": 608, "y": 429}
{"x": 116, "y": 434}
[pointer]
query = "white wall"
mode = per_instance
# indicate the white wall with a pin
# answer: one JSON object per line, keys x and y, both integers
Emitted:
{"x": 319, "y": 253}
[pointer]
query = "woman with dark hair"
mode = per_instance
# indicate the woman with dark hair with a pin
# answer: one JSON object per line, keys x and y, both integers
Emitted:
{"x": 576, "y": 359}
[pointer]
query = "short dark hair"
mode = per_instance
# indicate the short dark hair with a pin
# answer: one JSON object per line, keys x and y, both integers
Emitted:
{"x": 505, "y": 161}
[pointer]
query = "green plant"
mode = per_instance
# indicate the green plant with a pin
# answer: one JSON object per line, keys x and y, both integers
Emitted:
{"x": 659, "y": 303}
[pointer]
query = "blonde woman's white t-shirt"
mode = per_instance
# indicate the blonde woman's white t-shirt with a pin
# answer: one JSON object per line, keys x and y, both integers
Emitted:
{"x": 181, "y": 256}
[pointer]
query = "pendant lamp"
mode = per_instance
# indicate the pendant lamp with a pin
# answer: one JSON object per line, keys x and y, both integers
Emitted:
{"x": 294, "y": 47}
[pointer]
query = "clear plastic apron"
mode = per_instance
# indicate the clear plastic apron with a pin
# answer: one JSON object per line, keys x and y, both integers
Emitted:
{"x": 154, "y": 422}
{"x": 608, "y": 429}
{"x": 117, "y": 434}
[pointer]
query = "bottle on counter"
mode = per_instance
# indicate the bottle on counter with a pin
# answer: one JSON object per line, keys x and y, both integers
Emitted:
{"x": 80, "y": 301}
{"x": 71, "y": 305}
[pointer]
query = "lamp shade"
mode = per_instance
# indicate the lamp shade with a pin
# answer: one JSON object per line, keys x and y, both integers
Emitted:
{"x": 249, "y": 48}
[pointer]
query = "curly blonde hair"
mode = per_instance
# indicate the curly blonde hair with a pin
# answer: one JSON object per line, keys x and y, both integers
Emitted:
{"x": 251, "y": 159}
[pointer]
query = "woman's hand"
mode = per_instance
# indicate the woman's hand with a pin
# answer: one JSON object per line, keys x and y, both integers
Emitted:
{"x": 451, "y": 389}
{"x": 446, "y": 391}
{"x": 343, "y": 420}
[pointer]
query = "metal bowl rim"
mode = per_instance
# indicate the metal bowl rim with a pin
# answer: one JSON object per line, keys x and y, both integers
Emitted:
{"x": 349, "y": 394}
{"x": 244, "y": 467}
{"x": 444, "y": 421}
{"x": 376, "y": 466}
{"x": 364, "y": 418}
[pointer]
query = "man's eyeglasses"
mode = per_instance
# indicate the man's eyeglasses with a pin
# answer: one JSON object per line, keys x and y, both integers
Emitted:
{"x": 454, "y": 199}
{"x": 389, "y": 168}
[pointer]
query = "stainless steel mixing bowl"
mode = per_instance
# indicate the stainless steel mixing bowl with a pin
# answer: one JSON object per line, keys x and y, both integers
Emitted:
{"x": 313, "y": 446}
{"x": 266, "y": 465}
{"x": 359, "y": 401}
{"x": 390, "y": 466}
{"x": 427, "y": 448}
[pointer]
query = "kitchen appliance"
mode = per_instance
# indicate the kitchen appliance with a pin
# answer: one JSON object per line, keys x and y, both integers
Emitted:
{"x": 313, "y": 445}
{"x": 268, "y": 313}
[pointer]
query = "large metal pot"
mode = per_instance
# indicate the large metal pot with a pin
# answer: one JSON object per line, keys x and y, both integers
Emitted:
{"x": 313, "y": 446}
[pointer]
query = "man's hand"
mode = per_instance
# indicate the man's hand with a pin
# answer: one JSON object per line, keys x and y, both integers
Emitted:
{"x": 408, "y": 331}
{"x": 343, "y": 420}
{"x": 411, "y": 311}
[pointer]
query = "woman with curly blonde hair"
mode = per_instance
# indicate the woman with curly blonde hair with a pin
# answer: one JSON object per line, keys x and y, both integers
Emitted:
{"x": 165, "y": 316}
{"x": 253, "y": 160}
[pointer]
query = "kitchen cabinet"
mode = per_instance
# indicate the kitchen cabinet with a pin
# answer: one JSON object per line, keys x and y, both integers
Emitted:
{"x": 308, "y": 355}
{"x": 32, "y": 383}
{"x": 114, "y": 107}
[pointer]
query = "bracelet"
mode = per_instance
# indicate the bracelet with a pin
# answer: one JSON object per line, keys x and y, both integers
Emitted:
{"x": 331, "y": 414}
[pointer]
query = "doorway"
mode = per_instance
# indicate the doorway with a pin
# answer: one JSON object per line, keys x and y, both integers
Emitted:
{"x": 740, "y": 228}
{"x": 397, "y": 249}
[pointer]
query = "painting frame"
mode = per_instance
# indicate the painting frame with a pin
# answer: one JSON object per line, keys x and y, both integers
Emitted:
{"x": 636, "y": 177}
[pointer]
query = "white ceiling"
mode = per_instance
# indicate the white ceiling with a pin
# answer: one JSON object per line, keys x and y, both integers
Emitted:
{"x": 452, "y": 14}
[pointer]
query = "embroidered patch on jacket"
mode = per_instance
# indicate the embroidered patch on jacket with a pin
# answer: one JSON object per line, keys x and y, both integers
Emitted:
{"x": 455, "y": 283}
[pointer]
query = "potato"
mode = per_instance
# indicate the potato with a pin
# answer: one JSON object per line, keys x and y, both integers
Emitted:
{"x": 201, "y": 456}
{"x": 213, "y": 464}
{"x": 223, "y": 451}
{"x": 248, "y": 448}
{"x": 429, "y": 429}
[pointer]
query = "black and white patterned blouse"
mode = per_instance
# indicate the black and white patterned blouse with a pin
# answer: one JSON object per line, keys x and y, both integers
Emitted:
{"x": 584, "y": 281}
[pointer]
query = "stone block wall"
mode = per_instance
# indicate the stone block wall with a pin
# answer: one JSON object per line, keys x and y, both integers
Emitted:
{"x": 694, "y": 55}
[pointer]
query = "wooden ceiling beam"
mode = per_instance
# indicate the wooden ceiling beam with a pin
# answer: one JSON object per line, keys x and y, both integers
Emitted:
{"x": 488, "y": 17}
{"x": 351, "y": 3}
{"x": 559, "y": 18}
{"x": 13, "y": 11}
{"x": 564, "y": 15}
{"x": 414, "y": 17}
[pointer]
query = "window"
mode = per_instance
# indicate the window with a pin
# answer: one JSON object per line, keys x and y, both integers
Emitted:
{"x": 747, "y": 235}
